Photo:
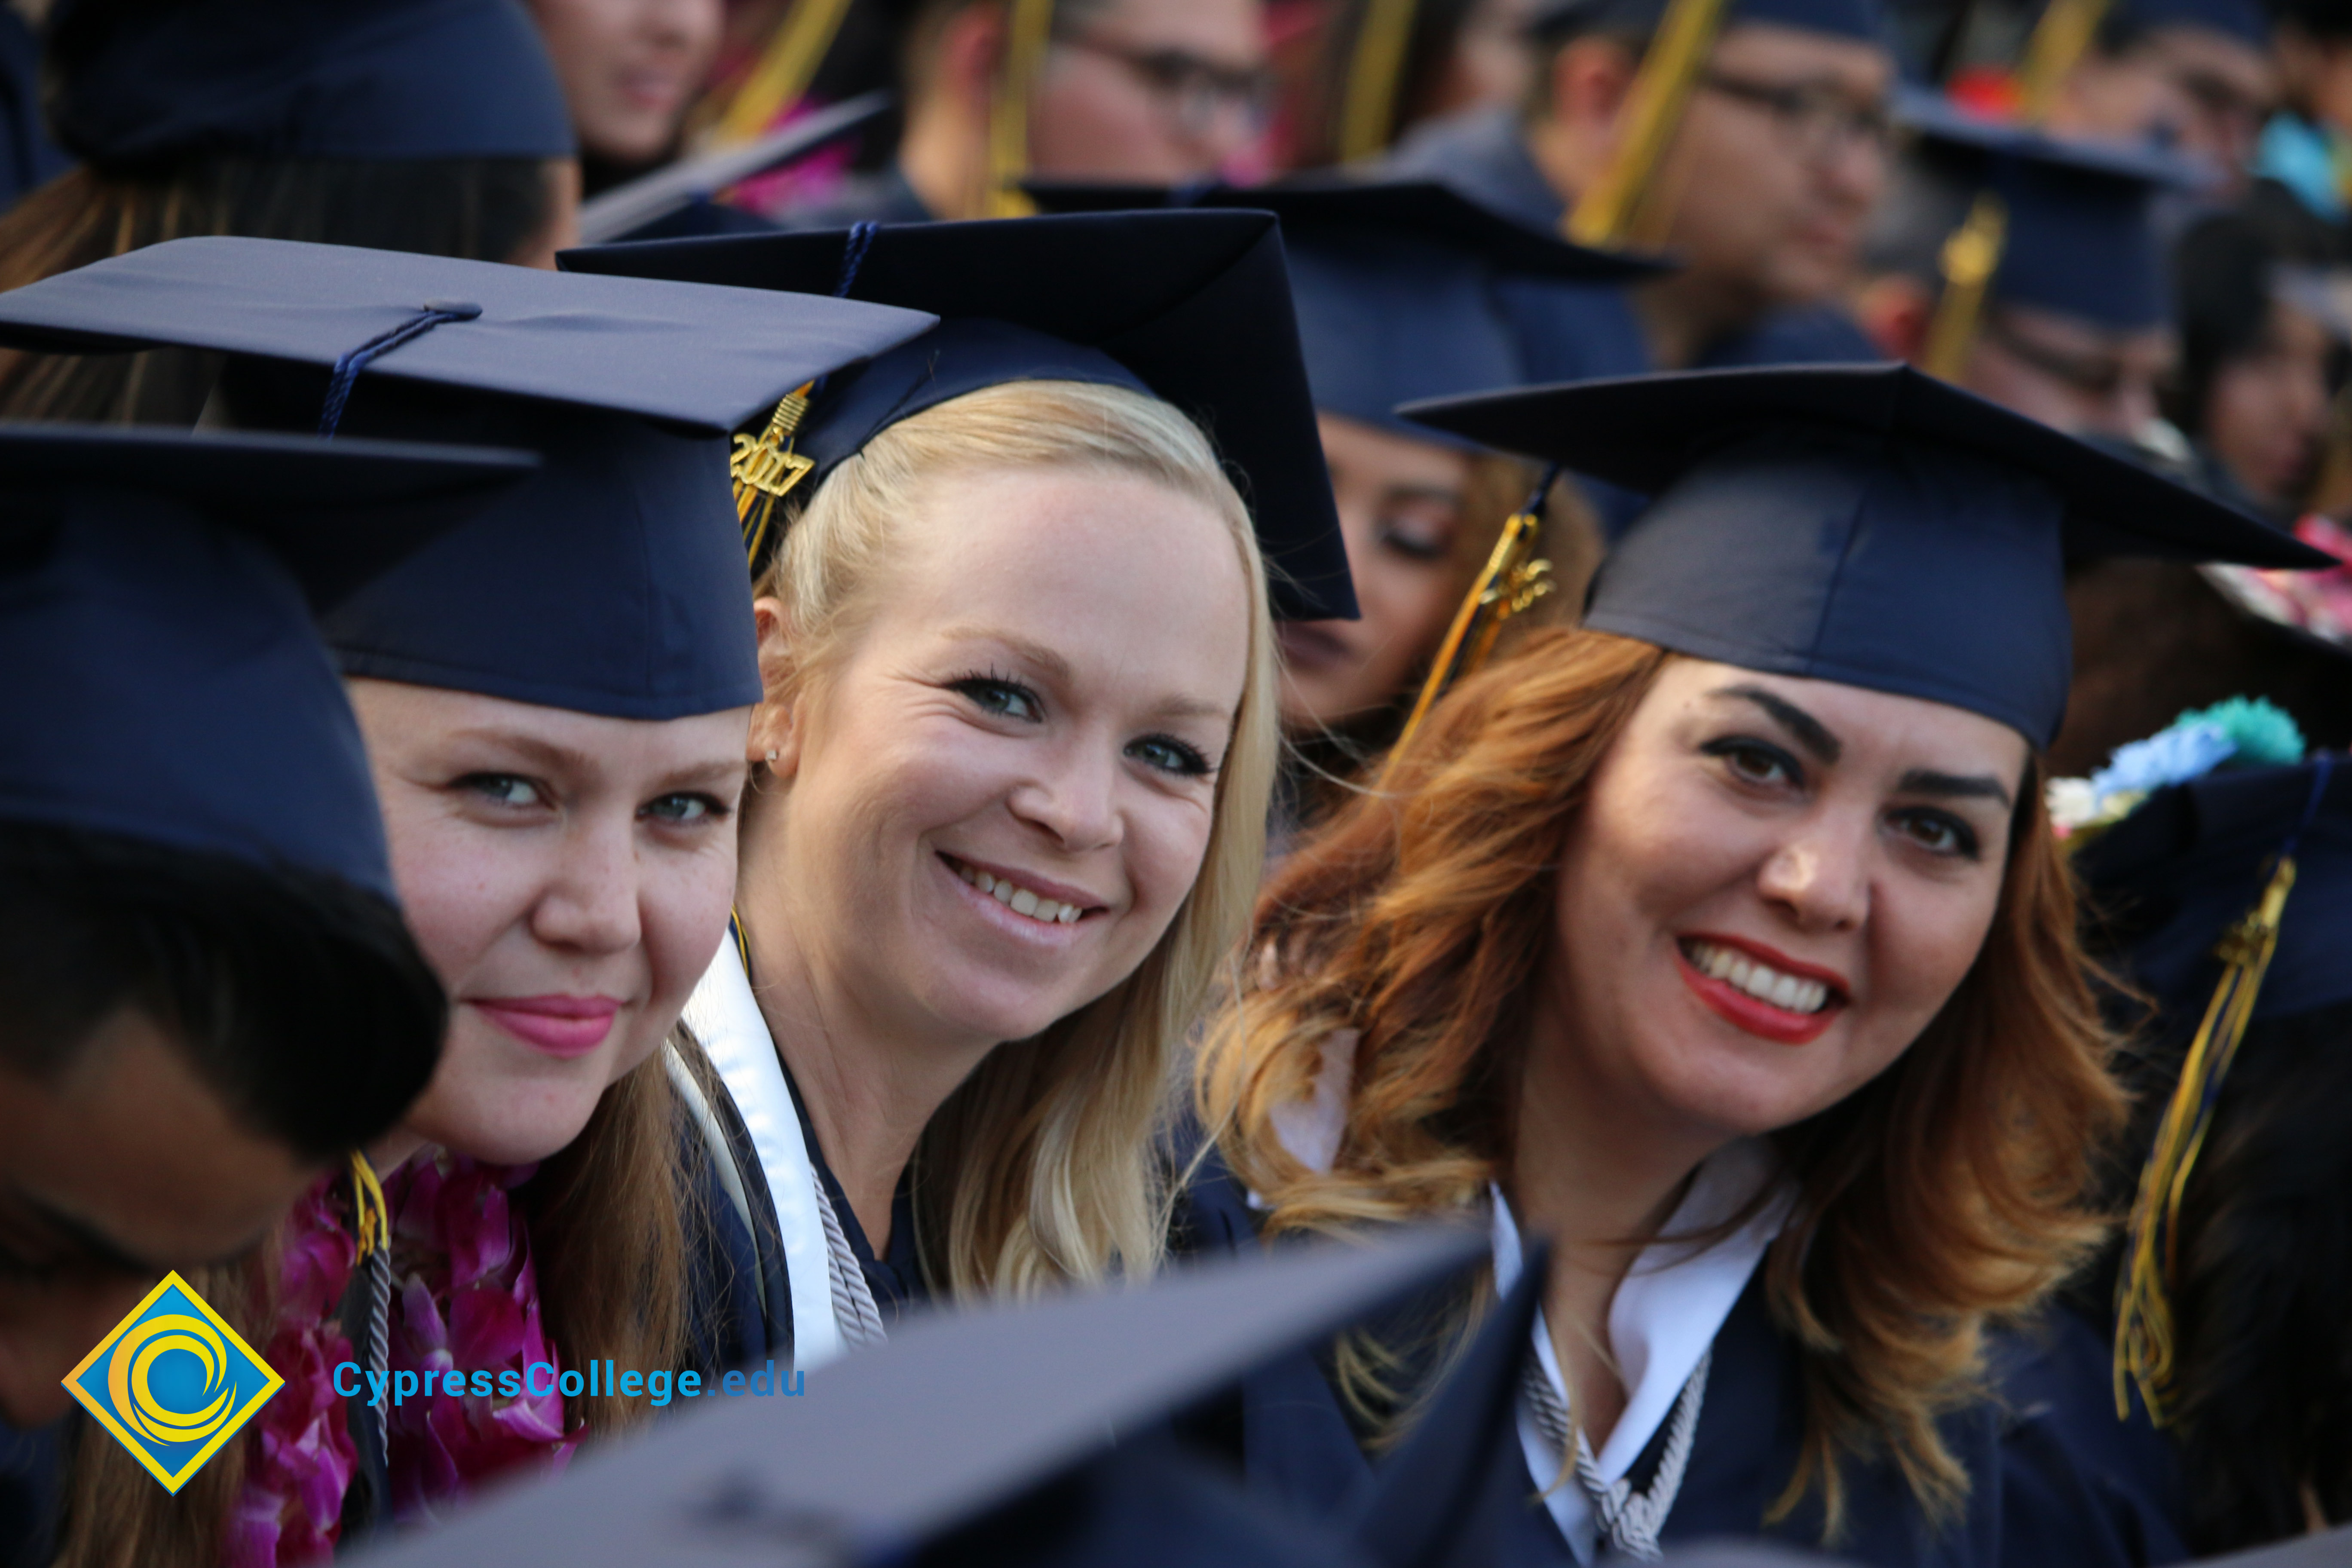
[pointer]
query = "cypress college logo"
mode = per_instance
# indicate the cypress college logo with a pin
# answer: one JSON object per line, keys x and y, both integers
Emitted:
{"x": 172, "y": 1383}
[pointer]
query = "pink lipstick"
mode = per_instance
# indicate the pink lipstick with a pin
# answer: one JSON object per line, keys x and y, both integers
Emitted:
{"x": 560, "y": 1026}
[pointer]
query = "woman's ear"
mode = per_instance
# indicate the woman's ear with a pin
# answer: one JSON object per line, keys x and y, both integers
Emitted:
{"x": 775, "y": 734}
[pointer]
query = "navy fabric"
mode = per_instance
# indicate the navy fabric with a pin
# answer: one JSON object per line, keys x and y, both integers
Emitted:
{"x": 1861, "y": 19}
{"x": 157, "y": 592}
{"x": 2081, "y": 238}
{"x": 2080, "y": 1486}
{"x": 1864, "y": 524}
{"x": 297, "y": 79}
{"x": 2170, "y": 879}
{"x": 1394, "y": 282}
{"x": 32, "y": 1493}
{"x": 2243, "y": 20}
{"x": 886, "y": 196}
{"x": 740, "y": 1296}
{"x": 895, "y": 1277}
{"x": 28, "y": 158}
{"x": 1193, "y": 307}
{"x": 611, "y": 584}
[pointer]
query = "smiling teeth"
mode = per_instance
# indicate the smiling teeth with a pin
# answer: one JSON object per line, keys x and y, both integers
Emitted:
{"x": 1761, "y": 981}
{"x": 1019, "y": 899}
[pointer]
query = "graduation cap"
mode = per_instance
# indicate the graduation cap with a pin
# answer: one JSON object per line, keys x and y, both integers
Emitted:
{"x": 1861, "y": 19}
{"x": 1392, "y": 281}
{"x": 610, "y": 581}
{"x": 1865, "y": 524}
{"x": 2057, "y": 225}
{"x": 1192, "y": 308}
{"x": 157, "y": 590}
{"x": 920, "y": 1447}
{"x": 159, "y": 80}
{"x": 2244, "y": 20}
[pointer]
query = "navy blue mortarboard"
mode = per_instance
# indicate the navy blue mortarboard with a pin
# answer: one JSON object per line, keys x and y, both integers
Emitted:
{"x": 1192, "y": 308}
{"x": 1392, "y": 281}
{"x": 1861, "y": 19}
{"x": 969, "y": 1437}
{"x": 1866, "y": 524}
{"x": 2079, "y": 236}
{"x": 299, "y": 78}
{"x": 2244, "y": 20}
{"x": 611, "y": 583}
{"x": 157, "y": 591}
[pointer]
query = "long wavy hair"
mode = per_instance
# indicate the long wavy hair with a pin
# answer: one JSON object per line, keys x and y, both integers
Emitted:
{"x": 1952, "y": 1189}
{"x": 1043, "y": 1166}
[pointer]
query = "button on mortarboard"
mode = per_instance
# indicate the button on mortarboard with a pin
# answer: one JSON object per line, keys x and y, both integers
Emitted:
{"x": 611, "y": 583}
{"x": 1392, "y": 281}
{"x": 916, "y": 1445}
{"x": 1190, "y": 307}
{"x": 156, "y": 597}
{"x": 1859, "y": 523}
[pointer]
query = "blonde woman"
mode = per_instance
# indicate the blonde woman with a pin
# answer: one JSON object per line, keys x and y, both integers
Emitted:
{"x": 1011, "y": 772}
{"x": 1723, "y": 941}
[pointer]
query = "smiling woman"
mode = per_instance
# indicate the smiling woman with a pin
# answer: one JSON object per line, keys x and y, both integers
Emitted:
{"x": 1724, "y": 941}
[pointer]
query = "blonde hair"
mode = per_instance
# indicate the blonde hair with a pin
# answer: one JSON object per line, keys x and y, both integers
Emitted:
{"x": 1045, "y": 1165}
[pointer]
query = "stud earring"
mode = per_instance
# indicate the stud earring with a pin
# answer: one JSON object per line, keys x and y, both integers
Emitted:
{"x": 772, "y": 756}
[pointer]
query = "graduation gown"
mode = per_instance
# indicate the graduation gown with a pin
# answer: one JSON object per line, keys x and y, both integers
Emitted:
{"x": 1296, "y": 1443}
{"x": 32, "y": 1484}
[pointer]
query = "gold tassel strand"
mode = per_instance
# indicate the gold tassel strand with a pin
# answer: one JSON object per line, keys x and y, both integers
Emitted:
{"x": 1368, "y": 115}
{"x": 1028, "y": 34}
{"x": 765, "y": 469}
{"x": 1513, "y": 579}
{"x": 1605, "y": 215}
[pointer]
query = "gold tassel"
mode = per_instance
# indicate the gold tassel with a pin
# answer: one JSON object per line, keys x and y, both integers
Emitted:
{"x": 1028, "y": 34}
{"x": 1971, "y": 255}
{"x": 786, "y": 66}
{"x": 2059, "y": 39}
{"x": 1368, "y": 115}
{"x": 373, "y": 1213}
{"x": 766, "y": 468}
{"x": 1514, "y": 578}
{"x": 1605, "y": 215}
{"x": 2144, "y": 1339}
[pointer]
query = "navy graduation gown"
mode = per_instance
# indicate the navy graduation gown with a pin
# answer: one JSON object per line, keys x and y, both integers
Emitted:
{"x": 740, "y": 1295}
{"x": 1297, "y": 1445}
{"x": 32, "y": 1488}
{"x": 2081, "y": 1487}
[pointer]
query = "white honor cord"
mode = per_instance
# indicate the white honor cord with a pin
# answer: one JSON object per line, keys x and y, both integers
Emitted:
{"x": 853, "y": 1298}
{"x": 1631, "y": 1521}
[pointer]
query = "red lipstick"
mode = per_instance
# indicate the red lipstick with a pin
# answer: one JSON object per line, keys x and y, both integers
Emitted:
{"x": 1753, "y": 1013}
{"x": 560, "y": 1026}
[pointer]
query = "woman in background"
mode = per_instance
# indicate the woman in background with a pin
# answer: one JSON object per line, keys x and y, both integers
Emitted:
{"x": 630, "y": 70}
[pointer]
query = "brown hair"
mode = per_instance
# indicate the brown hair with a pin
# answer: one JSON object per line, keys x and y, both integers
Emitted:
{"x": 1419, "y": 918}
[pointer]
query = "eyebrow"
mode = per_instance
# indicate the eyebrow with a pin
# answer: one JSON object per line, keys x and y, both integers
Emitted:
{"x": 1055, "y": 668}
{"x": 544, "y": 754}
{"x": 1448, "y": 495}
{"x": 1955, "y": 786}
{"x": 1810, "y": 731}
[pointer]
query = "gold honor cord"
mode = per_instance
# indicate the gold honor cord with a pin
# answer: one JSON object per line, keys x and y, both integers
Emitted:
{"x": 1605, "y": 215}
{"x": 1514, "y": 578}
{"x": 1971, "y": 255}
{"x": 786, "y": 66}
{"x": 765, "y": 468}
{"x": 2143, "y": 1326}
{"x": 1028, "y": 34}
{"x": 1368, "y": 114}
{"x": 367, "y": 1199}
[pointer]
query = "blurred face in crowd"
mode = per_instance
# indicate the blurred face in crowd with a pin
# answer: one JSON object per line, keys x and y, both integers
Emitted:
{"x": 116, "y": 1169}
{"x": 2205, "y": 92}
{"x": 2266, "y": 411}
{"x": 568, "y": 876}
{"x": 1402, "y": 512}
{"x": 1781, "y": 155}
{"x": 1152, "y": 90}
{"x": 985, "y": 812}
{"x": 2070, "y": 374}
{"x": 1776, "y": 884}
{"x": 629, "y": 68}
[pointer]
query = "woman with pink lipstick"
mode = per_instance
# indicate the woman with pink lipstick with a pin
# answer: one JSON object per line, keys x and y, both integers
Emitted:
{"x": 1723, "y": 940}
{"x": 1011, "y": 772}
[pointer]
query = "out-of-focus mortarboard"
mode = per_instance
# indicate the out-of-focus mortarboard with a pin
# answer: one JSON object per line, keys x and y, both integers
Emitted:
{"x": 2243, "y": 20}
{"x": 612, "y": 581}
{"x": 157, "y": 590}
{"x": 2077, "y": 234}
{"x": 151, "y": 82}
{"x": 1192, "y": 308}
{"x": 1392, "y": 281}
{"x": 1865, "y": 524}
{"x": 925, "y": 1448}
{"x": 1859, "y": 19}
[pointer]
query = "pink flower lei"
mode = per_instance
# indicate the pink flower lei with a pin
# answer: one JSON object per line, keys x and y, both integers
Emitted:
{"x": 466, "y": 1297}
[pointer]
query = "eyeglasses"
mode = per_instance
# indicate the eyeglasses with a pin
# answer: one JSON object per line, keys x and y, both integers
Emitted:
{"x": 1201, "y": 91}
{"x": 1818, "y": 120}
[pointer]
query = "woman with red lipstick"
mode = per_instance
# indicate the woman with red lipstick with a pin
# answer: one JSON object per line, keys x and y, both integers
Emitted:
{"x": 1011, "y": 767}
{"x": 1724, "y": 942}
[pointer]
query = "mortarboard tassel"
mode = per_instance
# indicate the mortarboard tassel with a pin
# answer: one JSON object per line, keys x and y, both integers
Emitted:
{"x": 765, "y": 468}
{"x": 1971, "y": 255}
{"x": 1368, "y": 114}
{"x": 1513, "y": 579}
{"x": 2058, "y": 41}
{"x": 1605, "y": 215}
{"x": 1028, "y": 33}
{"x": 2145, "y": 1331}
{"x": 786, "y": 66}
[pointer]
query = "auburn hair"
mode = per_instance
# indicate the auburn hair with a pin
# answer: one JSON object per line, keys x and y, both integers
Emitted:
{"x": 1953, "y": 1189}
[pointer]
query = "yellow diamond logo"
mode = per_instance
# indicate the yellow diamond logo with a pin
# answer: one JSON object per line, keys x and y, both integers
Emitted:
{"x": 172, "y": 1383}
